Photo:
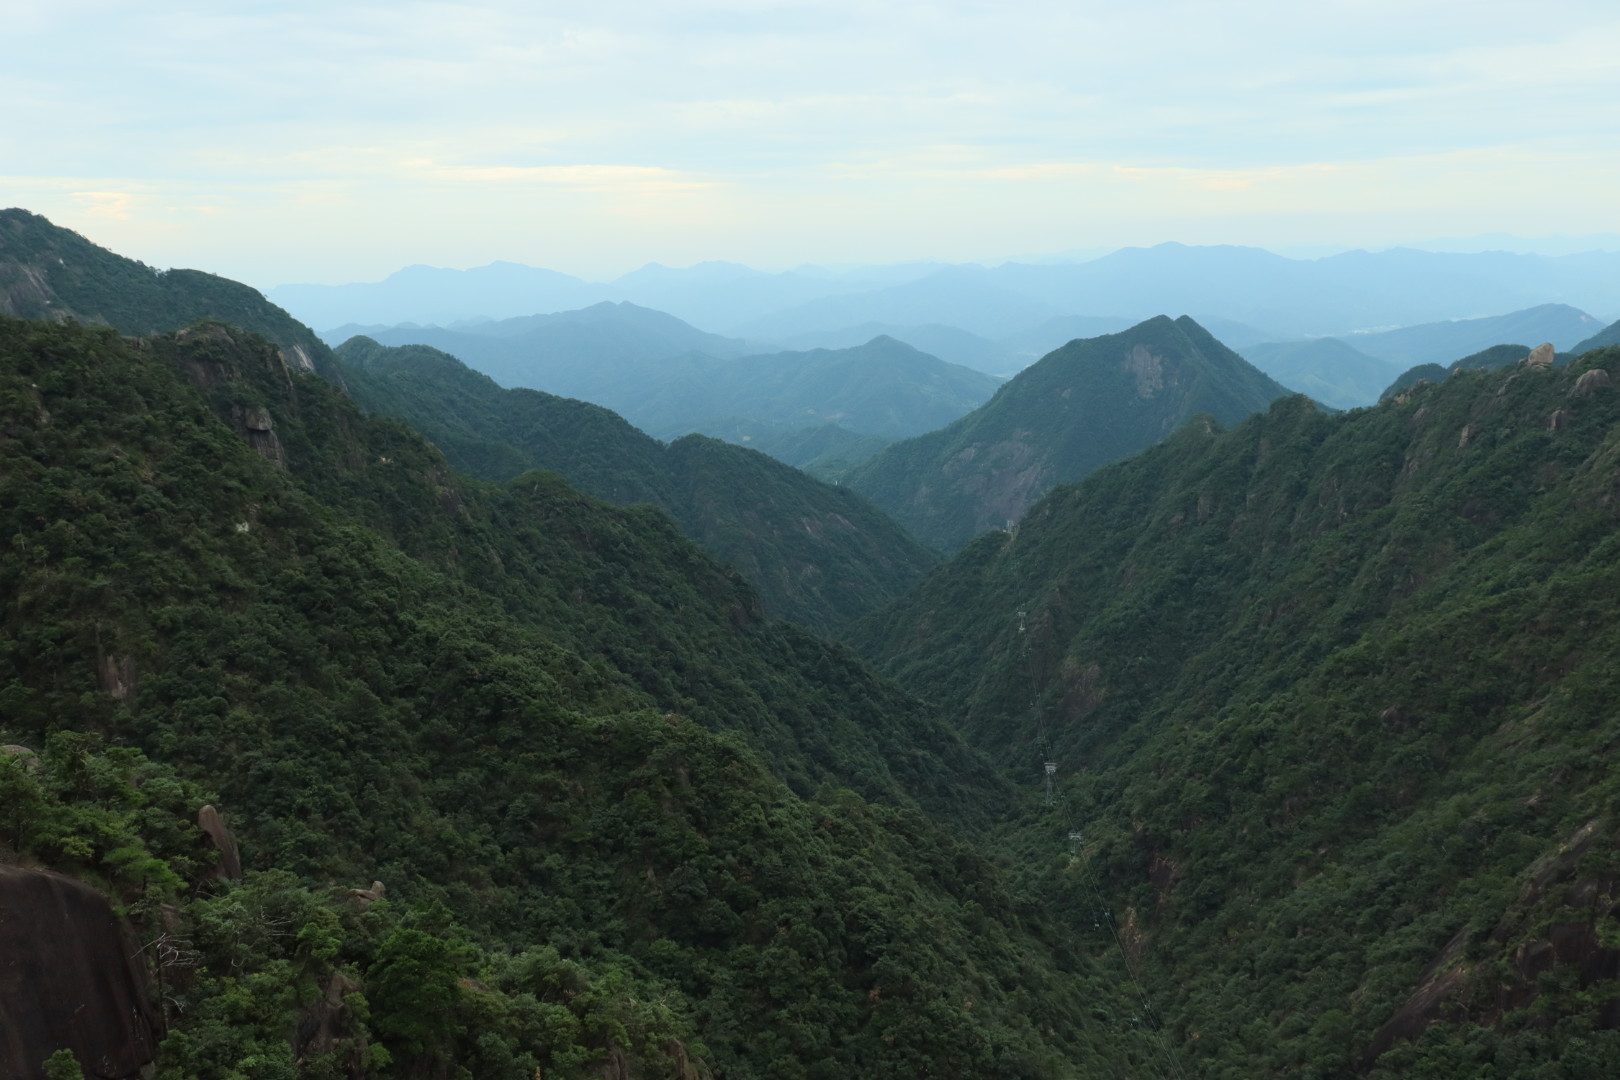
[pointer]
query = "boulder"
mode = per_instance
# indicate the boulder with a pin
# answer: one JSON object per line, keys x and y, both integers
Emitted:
{"x": 70, "y": 978}
{"x": 1541, "y": 356}
{"x": 328, "y": 1026}
{"x": 22, "y": 756}
{"x": 366, "y": 897}
{"x": 1592, "y": 381}
{"x": 230, "y": 856}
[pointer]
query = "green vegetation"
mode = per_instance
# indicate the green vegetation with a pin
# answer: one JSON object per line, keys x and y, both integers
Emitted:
{"x": 1609, "y": 335}
{"x": 1331, "y": 698}
{"x": 818, "y": 555}
{"x": 51, "y": 273}
{"x": 1497, "y": 356}
{"x": 1093, "y": 401}
{"x": 1323, "y": 369}
{"x": 619, "y": 816}
{"x": 826, "y": 452}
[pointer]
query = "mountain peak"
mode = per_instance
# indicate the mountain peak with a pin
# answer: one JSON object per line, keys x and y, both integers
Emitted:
{"x": 1093, "y": 401}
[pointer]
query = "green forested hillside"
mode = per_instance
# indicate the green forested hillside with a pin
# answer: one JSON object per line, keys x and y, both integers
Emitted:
{"x": 528, "y": 785}
{"x": 1331, "y": 703}
{"x": 1609, "y": 335}
{"x": 47, "y": 272}
{"x": 1323, "y": 369}
{"x": 1093, "y": 401}
{"x": 818, "y": 555}
{"x": 826, "y": 452}
{"x": 1497, "y": 356}
{"x": 625, "y": 825}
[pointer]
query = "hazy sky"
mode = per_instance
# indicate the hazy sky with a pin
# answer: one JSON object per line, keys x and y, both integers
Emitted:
{"x": 294, "y": 141}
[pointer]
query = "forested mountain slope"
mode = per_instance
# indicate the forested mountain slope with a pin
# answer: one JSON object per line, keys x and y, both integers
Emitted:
{"x": 819, "y": 555}
{"x": 1093, "y": 401}
{"x": 1489, "y": 359}
{"x": 1609, "y": 335}
{"x": 625, "y": 825}
{"x": 1331, "y": 699}
{"x": 1323, "y": 369}
{"x": 48, "y": 272}
{"x": 881, "y": 387}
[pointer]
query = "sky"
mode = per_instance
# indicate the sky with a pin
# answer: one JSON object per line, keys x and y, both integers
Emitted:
{"x": 334, "y": 142}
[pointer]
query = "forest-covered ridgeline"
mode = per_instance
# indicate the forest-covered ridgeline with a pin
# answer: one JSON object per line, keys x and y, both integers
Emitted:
{"x": 1091, "y": 402}
{"x": 1329, "y": 697}
{"x": 819, "y": 555}
{"x": 624, "y": 823}
{"x": 1332, "y": 699}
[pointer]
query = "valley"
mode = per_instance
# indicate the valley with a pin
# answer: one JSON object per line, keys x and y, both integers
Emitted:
{"x": 1106, "y": 706}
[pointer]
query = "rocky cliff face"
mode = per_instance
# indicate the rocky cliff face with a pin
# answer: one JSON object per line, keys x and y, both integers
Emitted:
{"x": 70, "y": 978}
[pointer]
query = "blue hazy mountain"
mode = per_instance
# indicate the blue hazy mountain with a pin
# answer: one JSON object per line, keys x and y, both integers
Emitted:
{"x": 883, "y": 387}
{"x": 669, "y": 378}
{"x": 592, "y": 353}
{"x": 1286, "y": 298}
{"x": 1325, "y": 369}
{"x": 950, "y": 343}
{"x": 1444, "y": 342}
{"x": 967, "y": 297}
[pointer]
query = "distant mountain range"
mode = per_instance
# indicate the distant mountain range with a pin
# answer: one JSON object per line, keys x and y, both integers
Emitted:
{"x": 1444, "y": 342}
{"x": 591, "y": 353}
{"x": 1094, "y": 401}
{"x": 1276, "y": 297}
{"x": 1349, "y": 372}
{"x": 670, "y": 379}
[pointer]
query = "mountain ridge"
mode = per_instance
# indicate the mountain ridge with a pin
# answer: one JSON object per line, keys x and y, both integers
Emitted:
{"x": 1094, "y": 400}
{"x": 1325, "y": 695}
{"x": 819, "y": 555}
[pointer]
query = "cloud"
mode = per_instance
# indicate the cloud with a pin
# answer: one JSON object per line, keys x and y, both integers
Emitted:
{"x": 117, "y": 205}
{"x": 811, "y": 123}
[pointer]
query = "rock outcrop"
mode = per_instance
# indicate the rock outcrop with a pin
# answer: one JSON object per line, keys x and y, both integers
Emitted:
{"x": 69, "y": 979}
{"x": 1542, "y": 356}
{"x": 21, "y": 756}
{"x": 230, "y": 856}
{"x": 1592, "y": 381}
